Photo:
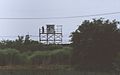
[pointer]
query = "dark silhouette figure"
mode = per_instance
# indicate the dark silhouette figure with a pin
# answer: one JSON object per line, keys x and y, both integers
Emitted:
{"x": 42, "y": 29}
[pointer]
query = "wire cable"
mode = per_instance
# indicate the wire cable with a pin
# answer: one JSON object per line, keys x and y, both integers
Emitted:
{"x": 69, "y": 16}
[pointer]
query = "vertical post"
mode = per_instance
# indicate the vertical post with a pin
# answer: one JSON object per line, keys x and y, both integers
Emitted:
{"x": 61, "y": 34}
{"x": 47, "y": 38}
{"x": 54, "y": 37}
{"x": 61, "y": 38}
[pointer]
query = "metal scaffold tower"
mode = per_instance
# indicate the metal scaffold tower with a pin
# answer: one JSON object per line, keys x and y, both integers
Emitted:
{"x": 51, "y": 34}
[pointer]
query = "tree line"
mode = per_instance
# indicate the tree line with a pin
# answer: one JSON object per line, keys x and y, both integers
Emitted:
{"x": 25, "y": 51}
{"x": 95, "y": 46}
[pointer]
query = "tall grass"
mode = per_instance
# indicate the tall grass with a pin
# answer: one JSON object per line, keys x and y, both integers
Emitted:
{"x": 37, "y": 72}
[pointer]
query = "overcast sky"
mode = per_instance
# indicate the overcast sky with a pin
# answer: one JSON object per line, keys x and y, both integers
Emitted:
{"x": 51, "y": 8}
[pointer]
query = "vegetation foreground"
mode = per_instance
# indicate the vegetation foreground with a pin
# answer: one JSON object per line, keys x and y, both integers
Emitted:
{"x": 95, "y": 47}
{"x": 36, "y": 72}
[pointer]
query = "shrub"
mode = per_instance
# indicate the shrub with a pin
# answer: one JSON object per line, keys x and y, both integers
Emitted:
{"x": 40, "y": 57}
{"x": 58, "y": 56}
{"x": 61, "y": 56}
{"x": 10, "y": 57}
{"x": 54, "y": 47}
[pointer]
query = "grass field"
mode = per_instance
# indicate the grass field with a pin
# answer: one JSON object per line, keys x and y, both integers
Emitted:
{"x": 38, "y": 72}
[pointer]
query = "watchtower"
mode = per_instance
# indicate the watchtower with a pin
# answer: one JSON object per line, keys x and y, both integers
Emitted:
{"x": 51, "y": 34}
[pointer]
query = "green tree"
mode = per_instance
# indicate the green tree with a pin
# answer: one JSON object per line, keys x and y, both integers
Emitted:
{"x": 96, "y": 43}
